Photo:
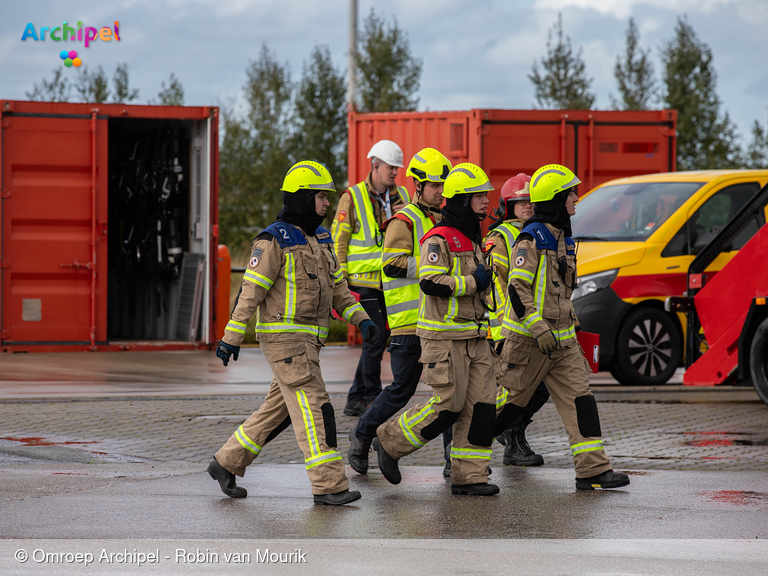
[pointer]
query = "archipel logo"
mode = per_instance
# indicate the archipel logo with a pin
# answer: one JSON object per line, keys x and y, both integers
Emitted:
{"x": 68, "y": 33}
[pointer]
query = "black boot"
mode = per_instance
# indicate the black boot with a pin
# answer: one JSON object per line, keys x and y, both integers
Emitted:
{"x": 338, "y": 499}
{"x": 355, "y": 408}
{"x": 387, "y": 464}
{"x": 447, "y": 469}
{"x": 480, "y": 489}
{"x": 608, "y": 479}
{"x": 226, "y": 480}
{"x": 517, "y": 452}
{"x": 358, "y": 453}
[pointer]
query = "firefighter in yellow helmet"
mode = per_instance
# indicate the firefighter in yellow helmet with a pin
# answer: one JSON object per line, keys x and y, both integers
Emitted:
{"x": 293, "y": 280}
{"x": 514, "y": 210}
{"x": 539, "y": 328}
{"x": 400, "y": 279}
{"x": 455, "y": 353}
{"x": 357, "y": 238}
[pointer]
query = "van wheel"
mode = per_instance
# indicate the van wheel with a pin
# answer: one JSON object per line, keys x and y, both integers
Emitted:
{"x": 758, "y": 361}
{"x": 648, "y": 349}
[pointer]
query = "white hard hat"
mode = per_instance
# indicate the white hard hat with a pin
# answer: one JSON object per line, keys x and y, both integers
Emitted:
{"x": 387, "y": 151}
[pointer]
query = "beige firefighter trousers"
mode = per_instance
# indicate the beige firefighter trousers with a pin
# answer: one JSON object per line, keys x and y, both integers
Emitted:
{"x": 460, "y": 373}
{"x": 565, "y": 373}
{"x": 298, "y": 391}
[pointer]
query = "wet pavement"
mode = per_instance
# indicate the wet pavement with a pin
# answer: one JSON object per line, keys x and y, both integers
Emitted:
{"x": 99, "y": 449}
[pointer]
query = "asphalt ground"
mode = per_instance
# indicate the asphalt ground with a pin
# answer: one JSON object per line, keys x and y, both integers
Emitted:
{"x": 104, "y": 451}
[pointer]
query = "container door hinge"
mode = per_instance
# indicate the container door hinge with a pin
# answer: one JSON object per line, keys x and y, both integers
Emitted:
{"x": 5, "y": 193}
{"x": 5, "y": 335}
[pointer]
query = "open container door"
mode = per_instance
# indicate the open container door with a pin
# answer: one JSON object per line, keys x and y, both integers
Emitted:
{"x": 53, "y": 285}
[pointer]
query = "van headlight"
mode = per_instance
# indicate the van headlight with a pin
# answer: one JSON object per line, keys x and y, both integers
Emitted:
{"x": 593, "y": 282}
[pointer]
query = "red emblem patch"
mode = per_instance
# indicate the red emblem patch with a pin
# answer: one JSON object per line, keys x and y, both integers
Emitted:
{"x": 519, "y": 261}
{"x": 342, "y": 215}
{"x": 254, "y": 262}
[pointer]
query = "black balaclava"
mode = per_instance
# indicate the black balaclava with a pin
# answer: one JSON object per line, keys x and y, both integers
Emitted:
{"x": 553, "y": 212}
{"x": 458, "y": 214}
{"x": 299, "y": 210}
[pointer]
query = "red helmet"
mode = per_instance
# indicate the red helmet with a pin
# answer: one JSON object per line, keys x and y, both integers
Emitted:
{"x": 516, "y": 188}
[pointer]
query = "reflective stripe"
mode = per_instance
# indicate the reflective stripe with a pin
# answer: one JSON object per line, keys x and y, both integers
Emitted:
{"x": 309, "y": 422}
{"x": 565, "y": 333}
{"x": 402, "y": 307}
{"x": 461, "y": 286}
{"x": 257, "y": 278}
{"x": 290, "y": 286}
{"x": 398, "y": 283}
{"x": 348, "y": 312}
{"x": 321, "y": 459}
{"x": 407, "y": 424}
{"x": 541, "y": 282}
{"x": 272, "y": 327}
{"x": 473, "y": 453}
{"x": 430, "y": 270}
{"x": 522, "y": 274}
{"x": 246, "y": 442}
{"x": 501, "y": 399}
{"x": 236, "y": 326}
{"x": 444, "y": 326}
{"x": 586, "y": 447}
{"x": 362, "y": 210}
{"x": 338, "y": 276}
{"x": 375, "y": 254}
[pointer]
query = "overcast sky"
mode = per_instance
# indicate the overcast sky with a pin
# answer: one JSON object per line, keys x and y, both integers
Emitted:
{"x": 475, "y": 54}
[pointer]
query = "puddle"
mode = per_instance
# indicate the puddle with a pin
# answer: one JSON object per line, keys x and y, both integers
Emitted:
{"x": 736, "y": 497}
{"x": 707, "y": 439}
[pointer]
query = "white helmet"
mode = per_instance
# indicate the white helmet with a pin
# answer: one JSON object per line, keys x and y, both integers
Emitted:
{"x": 387, "y": 151}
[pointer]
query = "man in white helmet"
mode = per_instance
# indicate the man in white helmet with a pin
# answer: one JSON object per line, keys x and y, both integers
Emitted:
{"x": 363, "y": 208}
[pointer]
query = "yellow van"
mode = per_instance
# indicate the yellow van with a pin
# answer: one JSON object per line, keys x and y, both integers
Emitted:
{"x": 636, "y": 238}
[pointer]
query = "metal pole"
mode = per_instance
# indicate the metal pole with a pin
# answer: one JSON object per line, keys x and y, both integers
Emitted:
{"x": 352, "y": 72}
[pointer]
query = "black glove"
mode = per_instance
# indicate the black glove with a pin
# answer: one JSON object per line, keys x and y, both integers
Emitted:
{"x": 370, "y": 332}
{"x": 500, "y": 347}
{"x": 483, "y": 276}
{"x": 224, "y": 351}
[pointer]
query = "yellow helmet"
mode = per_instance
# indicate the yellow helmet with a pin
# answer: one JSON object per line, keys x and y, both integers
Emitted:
{"x": 549, "y": 180}
{"x": 308, "y": 175}
{"x": 429, "y": 165}
{"x": 466, "y": 178}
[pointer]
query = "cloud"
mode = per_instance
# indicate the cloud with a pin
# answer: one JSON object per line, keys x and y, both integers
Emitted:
{"x": 625, "y": 8}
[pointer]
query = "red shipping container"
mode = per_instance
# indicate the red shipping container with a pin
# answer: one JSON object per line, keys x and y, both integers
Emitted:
{"x": 597, "y": 145}
{"x": 78, "y": 272}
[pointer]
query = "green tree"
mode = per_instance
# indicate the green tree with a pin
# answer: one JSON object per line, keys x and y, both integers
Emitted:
{"x": 56, "y": 90}
{"x": 389, "y": 75}
{"x": 320, "y": 122}
{"x": 122, "y": 91}
{"x": 171, "y": 94}
{"x": 254, "y": 150}
{"x": 706, "y": 138}
{"x": 634, "y": 74}
{"x": 756, "y": 155}
{"x": 562, "y": 82}
{"x": 92, "y": 86}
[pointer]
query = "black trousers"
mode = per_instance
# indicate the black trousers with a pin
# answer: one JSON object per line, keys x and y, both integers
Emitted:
{"x": 367, "y": 383}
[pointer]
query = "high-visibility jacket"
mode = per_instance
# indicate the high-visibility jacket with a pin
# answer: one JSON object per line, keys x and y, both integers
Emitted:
{"x": 356, "y": 233}
{"x": 292, "y": 280}
{"x": 498, "y": 244}
{"x": 400, "y": 263}
{"x": 451, "y": 308}
{"x": 540, "y": 287}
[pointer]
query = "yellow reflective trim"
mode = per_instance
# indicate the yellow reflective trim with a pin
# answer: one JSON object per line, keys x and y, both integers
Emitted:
{"x": 587, "y": 447}
{"x": 246, "y": 442}
{"x": 323, "y": 458}
{"x": 522, "y": 275}
{"x": 309, "y": 422}
{"x": 409, "y": 435}
{"x": 429, "y": 270}
{"x": 290, "y": 286}
{"x": 501, "y": 399}
{"x": 470, "y": 453}
{"x": 348, "y": 312}
{"x": 235, "y": 328}
{"x": 259, "y": 279}
{"x": 243, "y": 324}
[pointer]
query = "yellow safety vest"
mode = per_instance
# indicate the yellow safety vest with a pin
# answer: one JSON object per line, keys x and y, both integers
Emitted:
{"x": 364, "y": 251}
{"x": 402, "y": 294}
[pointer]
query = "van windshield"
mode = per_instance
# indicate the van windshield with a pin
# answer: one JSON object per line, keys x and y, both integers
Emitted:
{"x": 629, "y": 212}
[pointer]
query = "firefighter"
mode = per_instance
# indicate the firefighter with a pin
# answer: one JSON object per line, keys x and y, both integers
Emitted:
{"x": 357, "y": 241}
{"x": 292, "y": 280}
{"x": 455, "y": 352}
{"x": 400, "y": 261}
{"x": 539, "y": 328}
{"x": 513, "y": 211}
